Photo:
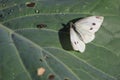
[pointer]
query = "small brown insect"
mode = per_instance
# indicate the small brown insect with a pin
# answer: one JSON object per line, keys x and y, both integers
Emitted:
{"x": 30, "y": 4}
{"x": 41, "y": 25}
{"x": 40, "y": 71}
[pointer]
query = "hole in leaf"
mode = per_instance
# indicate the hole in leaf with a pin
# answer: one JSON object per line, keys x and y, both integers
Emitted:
{"x": 66, "y": 79}
{"x": 51, "y": 77}
{"x": 40, "y": 71}
{"x": 41, "y": 60}
{"x": 30, "y": 4}
{"x": 41, "y": 25}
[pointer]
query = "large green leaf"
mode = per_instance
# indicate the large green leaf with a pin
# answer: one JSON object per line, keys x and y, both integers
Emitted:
{"x": 24, "y": 48}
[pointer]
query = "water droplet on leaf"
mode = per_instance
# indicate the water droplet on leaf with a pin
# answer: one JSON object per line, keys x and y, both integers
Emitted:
{"x": 37, "y": 11}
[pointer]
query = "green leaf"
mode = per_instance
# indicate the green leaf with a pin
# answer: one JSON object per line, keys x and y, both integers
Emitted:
{"x": 24, "y": 48}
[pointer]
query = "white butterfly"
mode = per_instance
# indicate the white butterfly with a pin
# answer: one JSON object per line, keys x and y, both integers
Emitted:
{"x": 83, "y": 31}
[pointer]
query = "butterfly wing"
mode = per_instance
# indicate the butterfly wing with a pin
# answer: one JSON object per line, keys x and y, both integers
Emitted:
{"x": 76, "y": 42}
{"x": 87, "y": 36}
{"x": 88, "y": 26}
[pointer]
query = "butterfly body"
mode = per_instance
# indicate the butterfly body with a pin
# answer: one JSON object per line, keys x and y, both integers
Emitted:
{"x": 83, "y": 31}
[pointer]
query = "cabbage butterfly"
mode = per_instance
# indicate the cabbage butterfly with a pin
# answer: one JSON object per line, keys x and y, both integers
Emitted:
{"x": 83, "y": 31}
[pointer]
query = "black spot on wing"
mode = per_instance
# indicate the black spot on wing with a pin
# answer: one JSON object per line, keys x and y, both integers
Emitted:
{"x": 76, "y": 42}
{"x": 93, "y": 23}
{"x": 91, "y": 28}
